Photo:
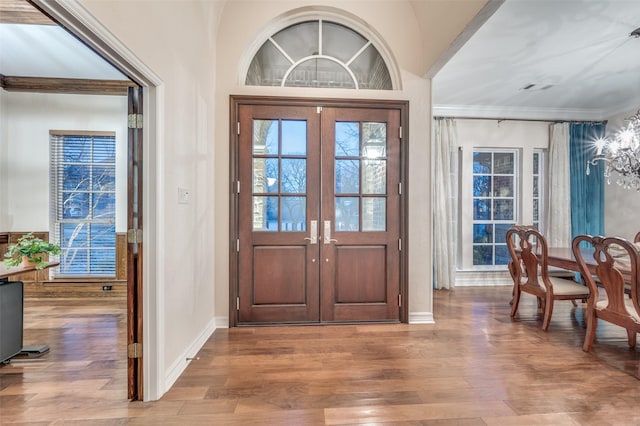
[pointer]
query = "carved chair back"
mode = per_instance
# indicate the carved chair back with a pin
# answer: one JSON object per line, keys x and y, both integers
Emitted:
{"x": 528, "y": 249}
{"x": 610, "y": 255}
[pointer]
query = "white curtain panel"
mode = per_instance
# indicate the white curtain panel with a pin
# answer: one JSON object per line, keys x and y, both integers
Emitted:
{"x": 445, "y": 204}
{"x": 558, "y": 223}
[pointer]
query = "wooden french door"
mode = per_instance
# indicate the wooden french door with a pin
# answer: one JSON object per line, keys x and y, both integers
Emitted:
{"x": 318, "y": 214}
{"x": 134, "y": 250}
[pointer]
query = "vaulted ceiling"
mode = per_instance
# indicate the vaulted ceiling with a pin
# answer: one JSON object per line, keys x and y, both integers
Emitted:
{"x": 561, "y": 59}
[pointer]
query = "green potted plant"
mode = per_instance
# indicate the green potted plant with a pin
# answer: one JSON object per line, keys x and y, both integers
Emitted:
{"x": 30, "y": 251}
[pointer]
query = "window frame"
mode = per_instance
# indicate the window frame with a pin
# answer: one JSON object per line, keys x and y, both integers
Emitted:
{"x": 57, "y": 191}
{"x": 516, "y": 197}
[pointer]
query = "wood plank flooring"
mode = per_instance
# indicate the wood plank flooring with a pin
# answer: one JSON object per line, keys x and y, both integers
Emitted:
{"x": 473, "y": 367}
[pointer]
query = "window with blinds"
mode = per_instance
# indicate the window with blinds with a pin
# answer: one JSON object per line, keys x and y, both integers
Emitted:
{"x": 83, "y": 197}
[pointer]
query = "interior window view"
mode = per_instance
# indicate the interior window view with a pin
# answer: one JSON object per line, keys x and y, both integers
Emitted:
{"x": 319, "y": 213}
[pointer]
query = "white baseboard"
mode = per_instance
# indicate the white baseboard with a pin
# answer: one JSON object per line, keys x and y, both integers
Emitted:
{"x": 222, "y": 322}
{"x": 421, "y": 318}
{"x": 179, "y": 365}
{"x": 483, "y": 278}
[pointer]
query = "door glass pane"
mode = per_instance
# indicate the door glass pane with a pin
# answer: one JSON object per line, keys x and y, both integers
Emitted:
{"x": 265, "y": 213}
{"x": 347, "y": 176}
{"x": 374, "y": 214}
{"x": 293, "y": 214}
{"x": 265, "y": 175}
{"x": 294, "y": 175}
{"x": 374, "y": 177}
{"x": 265, "y": 137}
{"x": 374, "y": 140}
{"x": 347, "y": 214}
{"x": 347, "y": 139}
{"x": 294, "y": 137}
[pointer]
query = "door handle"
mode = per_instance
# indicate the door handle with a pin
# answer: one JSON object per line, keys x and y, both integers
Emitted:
{"x": 327, "y": 233}
{"x": 313, "y": 232}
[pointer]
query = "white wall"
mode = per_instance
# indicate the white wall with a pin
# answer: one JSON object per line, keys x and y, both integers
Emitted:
{"x": 28, "y": 119}
{"x": 176, "y": 41}
{"x": 622, "y": 206}
{"x": 396, "y": 25}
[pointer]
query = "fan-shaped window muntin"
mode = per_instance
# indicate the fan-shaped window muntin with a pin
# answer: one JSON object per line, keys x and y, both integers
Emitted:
{"x": 319, "y": 54}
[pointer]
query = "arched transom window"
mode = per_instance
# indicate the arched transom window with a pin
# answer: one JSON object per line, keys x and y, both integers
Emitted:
{"x": 319, "y": 53}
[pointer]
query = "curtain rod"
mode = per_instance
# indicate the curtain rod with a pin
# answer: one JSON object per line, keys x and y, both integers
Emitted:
{"x": 524, "y": 119}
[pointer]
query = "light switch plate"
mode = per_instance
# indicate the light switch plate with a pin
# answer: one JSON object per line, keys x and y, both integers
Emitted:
{"x": 183, "y": 196}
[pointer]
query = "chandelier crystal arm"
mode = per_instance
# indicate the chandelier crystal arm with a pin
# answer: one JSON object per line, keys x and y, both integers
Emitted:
{"x": 621, "y": 155}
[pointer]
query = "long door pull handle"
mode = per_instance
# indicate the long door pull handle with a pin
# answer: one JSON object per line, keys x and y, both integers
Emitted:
{"x": 313, "y": 232}
{"x": 327, "y": 233}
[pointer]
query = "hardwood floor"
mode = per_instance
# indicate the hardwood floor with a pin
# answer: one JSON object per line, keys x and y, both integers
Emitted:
{"x": 473, "y": 367}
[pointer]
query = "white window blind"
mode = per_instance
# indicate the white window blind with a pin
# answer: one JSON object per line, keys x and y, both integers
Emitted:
{"x": 83, "y": 198}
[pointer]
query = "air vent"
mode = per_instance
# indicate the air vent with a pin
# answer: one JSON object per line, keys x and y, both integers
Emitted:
{"x": 536, "y": 86}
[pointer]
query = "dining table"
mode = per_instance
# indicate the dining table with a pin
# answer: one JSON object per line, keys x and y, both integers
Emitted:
{"x": 563, "y": 258}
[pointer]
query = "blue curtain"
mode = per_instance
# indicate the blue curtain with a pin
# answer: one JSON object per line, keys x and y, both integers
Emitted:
{"x": 587, "y": 191}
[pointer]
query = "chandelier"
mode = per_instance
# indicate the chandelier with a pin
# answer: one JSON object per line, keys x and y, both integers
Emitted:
{"x": 621, "y": 155}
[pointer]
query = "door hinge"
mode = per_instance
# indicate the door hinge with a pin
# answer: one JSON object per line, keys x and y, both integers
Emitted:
{"x": 400, "y": 132}
{"x": 238, "y": 128}
{"x": 134, "y": 121}
{"x": 318, "y": 109}
{"x": 237, "y": 303}
{"x": 399, "y": 244}
{"x": 134, "y": 350}
{"x": 134, "y": 236}
{"x": 400, "y": 300}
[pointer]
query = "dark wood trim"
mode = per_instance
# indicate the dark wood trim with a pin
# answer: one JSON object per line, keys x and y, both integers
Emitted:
{"x": 77, "y": 86}
{"x": 134, "y": 252}
{"x": 235, "y": 101}
{"x": 121, "y": 256}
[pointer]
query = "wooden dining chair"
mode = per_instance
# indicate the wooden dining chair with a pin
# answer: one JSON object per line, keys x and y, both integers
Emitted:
{"x": 637, "y": 238}
{"x": 530, "y": 272}
{"x": 607, "y": 299}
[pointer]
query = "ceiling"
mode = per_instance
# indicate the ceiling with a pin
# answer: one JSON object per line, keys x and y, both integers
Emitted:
{"x": 561, "y": 59}
{"x": 535, "y": 59}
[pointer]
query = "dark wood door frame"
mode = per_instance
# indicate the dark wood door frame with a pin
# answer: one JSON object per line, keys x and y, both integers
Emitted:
{"x": 235, "y": 102}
